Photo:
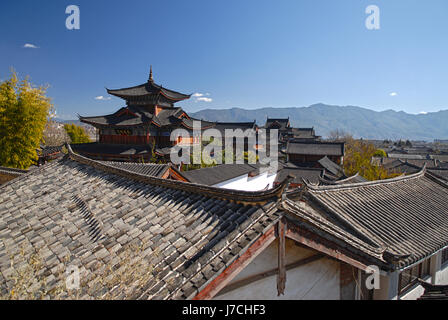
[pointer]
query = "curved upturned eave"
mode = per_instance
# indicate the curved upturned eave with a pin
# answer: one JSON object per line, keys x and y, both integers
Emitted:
{"x": 158, "y": 90}
{"x": 96, "y": 124}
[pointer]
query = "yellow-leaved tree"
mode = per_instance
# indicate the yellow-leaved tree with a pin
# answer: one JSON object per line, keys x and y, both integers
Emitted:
{"x": 24, "y": 110}
{"x": 76, "y": 133}
{"x": 358, "y": 159}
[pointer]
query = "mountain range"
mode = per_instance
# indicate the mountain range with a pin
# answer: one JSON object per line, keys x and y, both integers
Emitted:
{"x": 360, "y": 122}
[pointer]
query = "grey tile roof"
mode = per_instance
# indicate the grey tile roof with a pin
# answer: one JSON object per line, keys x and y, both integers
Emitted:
{"x": 89, "y": 212}
{"x": 406, "y": 217}
{"x": 304, "y": 133}
{"x": 406, "y": 156}
{"x": 149, "y": 88}
{"x": 147, "y": 169}
{"x": 421, "y": 163}
{"x": 111, "y": 148}
{"x": 440, "y": 157}
{"x": 433, "y": 292}
{"x": 222, "y": 126}
{"x": 311, "y": 174}
{"x": 281, "y": 124}
{"x": 413, "y": 166}
{"x": 46, "y": 151}
{"x": 138, "y": 116}
{"x": 440, "y": 172}
{"x": 315, "y": 148}
{"x": 220, "y": 173}
{"x": 343, "y": 180}
{"x": 332, "y": 167}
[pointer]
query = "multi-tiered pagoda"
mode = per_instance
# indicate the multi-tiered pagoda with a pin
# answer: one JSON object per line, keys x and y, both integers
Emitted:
{"x": 142, "y": 128}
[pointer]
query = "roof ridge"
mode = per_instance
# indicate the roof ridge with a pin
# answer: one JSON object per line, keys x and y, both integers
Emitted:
{"x": 300, "y": 141}
{"x": 135, "y": 163}
{"x": 14, "y": 170}
{"x": 416, "y": 175}
{"x": 32, "y": 171}
{"x": 214, "y": 192}
{"x": 292, "y": 207}
{"x": 338, "y": 182}
{"x": 437, "y": 178}
{"x": 303, "y": 168}
{"x": 137, "y": 86}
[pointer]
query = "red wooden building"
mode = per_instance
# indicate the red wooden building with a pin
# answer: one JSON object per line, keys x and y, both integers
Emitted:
{"x": 141, "y": 128}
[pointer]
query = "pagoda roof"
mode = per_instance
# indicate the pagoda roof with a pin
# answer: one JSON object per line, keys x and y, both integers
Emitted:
{"x": 149, "y": 88}
{"x": 126, "y": 116}
{"x": 135, "y": 116}
{"x": 132, "y": 116}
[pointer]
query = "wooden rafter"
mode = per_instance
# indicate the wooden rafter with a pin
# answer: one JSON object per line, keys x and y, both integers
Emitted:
{"x": 215, "y": 286}
{"x": 281, "y": 276}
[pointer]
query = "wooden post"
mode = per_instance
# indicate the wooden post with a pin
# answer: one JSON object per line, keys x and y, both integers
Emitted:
{"x": 281, "y": 276}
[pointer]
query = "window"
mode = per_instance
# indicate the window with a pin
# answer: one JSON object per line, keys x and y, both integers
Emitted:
{"x": 445, "y": 256}
{"x": 409, "y": 277}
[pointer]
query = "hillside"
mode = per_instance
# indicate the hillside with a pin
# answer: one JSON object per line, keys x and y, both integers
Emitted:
{"x": 358, "y": 121}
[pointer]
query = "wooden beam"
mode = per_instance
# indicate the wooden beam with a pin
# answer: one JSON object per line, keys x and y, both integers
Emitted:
{"x": 237, "y": 266}
{"x": 281, "y": 256}
{"x": 296, "y": 236}
{"x": 269, "y": 273}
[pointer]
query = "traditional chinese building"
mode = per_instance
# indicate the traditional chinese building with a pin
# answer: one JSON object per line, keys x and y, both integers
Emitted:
{"x": 143, "y": 127}
{"x": 309, "y": 152}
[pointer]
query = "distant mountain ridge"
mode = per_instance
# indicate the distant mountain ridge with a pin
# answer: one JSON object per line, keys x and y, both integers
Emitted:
{"x": 360, "y": 122}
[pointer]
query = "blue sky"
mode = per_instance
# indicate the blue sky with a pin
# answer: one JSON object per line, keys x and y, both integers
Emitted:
{"x": 249, "y": 54}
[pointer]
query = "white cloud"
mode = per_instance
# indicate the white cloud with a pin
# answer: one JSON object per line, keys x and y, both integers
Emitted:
{"x": 30, "y": 46}
{"x": 393, "y": 94}
{"x": 422, "y": 112}
{"x": 102, "y": 98}
{"x": 204, "y": 99}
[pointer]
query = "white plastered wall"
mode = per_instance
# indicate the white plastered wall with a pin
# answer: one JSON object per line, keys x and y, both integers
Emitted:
{"x": 318, "y": 280}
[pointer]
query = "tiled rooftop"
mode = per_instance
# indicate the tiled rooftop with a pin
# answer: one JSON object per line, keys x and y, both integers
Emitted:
{"x": 90, "y": 213}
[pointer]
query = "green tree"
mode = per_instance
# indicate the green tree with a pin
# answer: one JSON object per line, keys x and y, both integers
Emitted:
{"x": 24, "y": 110}
{"x": 76, "y": 133}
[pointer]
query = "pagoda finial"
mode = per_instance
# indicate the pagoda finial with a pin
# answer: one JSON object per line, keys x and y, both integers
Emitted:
{"x": 150, "y": 74}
